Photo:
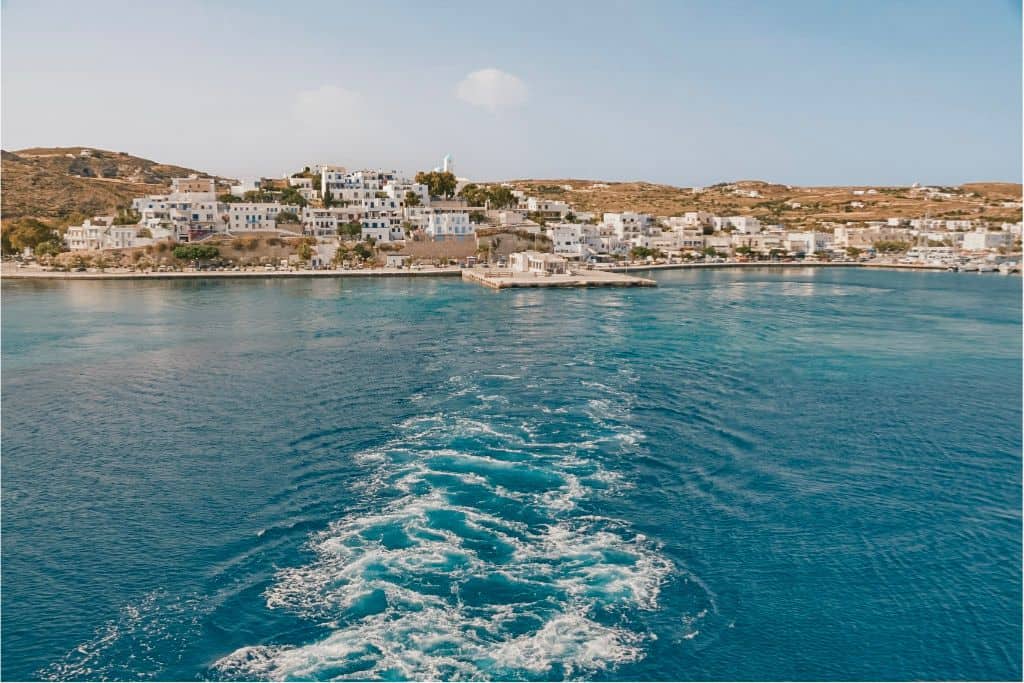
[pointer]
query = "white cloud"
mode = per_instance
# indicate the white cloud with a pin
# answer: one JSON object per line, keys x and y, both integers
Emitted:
{"x": 492, "y": 89}
{"x": 328, "y": 108}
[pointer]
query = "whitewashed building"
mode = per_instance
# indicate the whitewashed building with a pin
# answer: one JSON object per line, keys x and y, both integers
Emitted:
{"x": 89, "y": 235}
{"x": 324, "y": 222}
{"x": 549, "y": 208}
{"x": 100, "y": 233}
{"x": 980, "y": 240}
{"x": 399, "y": 188}
{"x": 384, "y": 234}
{"x": 809, "y": 242}
{"x": 448, "y": 224}
{"x": 253, "y": 216}
{"x": 746, "y": 224}
{"x": 628, "y": 225}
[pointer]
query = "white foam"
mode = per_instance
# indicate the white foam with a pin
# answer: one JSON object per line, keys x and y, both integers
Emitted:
{"x": 462, "y": 592}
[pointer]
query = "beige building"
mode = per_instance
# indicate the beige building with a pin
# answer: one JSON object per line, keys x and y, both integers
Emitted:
{"x": 193, "y": 184}
{"x": 538, "y": 263}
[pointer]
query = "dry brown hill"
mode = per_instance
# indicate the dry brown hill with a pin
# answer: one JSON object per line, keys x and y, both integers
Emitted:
{"x": 61, "y": 183}
{"x": 791, "y": 205}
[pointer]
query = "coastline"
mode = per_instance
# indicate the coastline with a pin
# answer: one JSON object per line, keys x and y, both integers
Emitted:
{"x": 7, "y": 272}
{"x": 33, "y": 274}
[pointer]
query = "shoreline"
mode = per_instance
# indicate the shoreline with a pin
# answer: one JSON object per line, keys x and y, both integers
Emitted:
{"x": 31, "y": 274}
{"x": 7, "y": 273}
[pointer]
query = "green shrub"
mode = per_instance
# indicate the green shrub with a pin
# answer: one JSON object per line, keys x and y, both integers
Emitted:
{"x": 192, "y": 252}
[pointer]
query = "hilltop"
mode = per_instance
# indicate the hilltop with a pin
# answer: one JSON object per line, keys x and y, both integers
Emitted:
{"x": 67, "y": 182}
{"x": 63, "y": 184}
{"x": 791, "y": 205}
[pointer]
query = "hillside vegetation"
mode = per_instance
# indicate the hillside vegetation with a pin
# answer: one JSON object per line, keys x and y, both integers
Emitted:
{"x": 63, "y": 184}
{"x": 777, "y": 203}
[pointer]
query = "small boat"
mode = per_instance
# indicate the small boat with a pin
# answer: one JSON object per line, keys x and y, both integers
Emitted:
{"x": 1007, "y": 267}
{"x": 986, "y": 268}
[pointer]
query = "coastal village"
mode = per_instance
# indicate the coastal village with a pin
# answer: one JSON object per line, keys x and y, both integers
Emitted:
{"x": 327, "y": 217}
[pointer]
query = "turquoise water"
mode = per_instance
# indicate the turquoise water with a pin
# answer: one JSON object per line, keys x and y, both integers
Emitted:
{"x": 799, "y": 474}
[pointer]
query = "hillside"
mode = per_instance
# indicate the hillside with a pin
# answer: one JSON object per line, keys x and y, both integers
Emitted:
{"x": 60, "y": 183}
{"x": 793, "y": 206}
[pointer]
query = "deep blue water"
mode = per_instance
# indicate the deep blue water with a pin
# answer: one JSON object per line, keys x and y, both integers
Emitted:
{"x": 799, "y": 474}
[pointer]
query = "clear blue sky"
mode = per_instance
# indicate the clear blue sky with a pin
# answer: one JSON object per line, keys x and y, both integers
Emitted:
{"x": 685, "y": 93}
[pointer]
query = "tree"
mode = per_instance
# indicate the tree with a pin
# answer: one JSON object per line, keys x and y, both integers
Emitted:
{"x": 49, "y": 248}
{"x": 328, "y": 199}
{"x": 710, "y": 251}
{"x": 744, "y": 250}
{"x": 257, "y": 196}
{"x": 144, "y": 232}
{"x": 644, "y": 252}
{"x": 193, "y": 252}
{"x": 28, "y": 232}
{"x": 891, "y": 246}
{"x": 412, "y": 199}
{"x": 476, "y": 217}
{"x": 439, "y": 183}
{"x": 228, "y": 198}
{"x": 362, "y": 251}
{"x": 350, "y": 229}
{"x": 502, "y": 198}
{"x": 127, "y": 216}
{"x": 287, "y": 217}
{"x": 474, "y": 194}
{"x": 290, "y": 195}
{"x": 854, "y": 252}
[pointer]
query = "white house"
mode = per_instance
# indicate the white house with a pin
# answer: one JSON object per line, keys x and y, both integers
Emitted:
{"x": 809, "y": 242}
{"x": 351, "y": 186}
{"x": 549, "y": 208}
{"x": 745, "y": 224}
{"x": 253, "y": 216}
{"x": 448, "y": 224}
{"x": 980, "y": 240}
{"x": 397, "y": 190}
{"x": 720, "y": 243}
{"x": 186, "y": 214}
{"x": 386, "y": 234}
{"x": 244, "y": 186}
{"x": 627, "y": 225}
{"x": 690, "y": 219}
{"x": 89, "y": 235}
{"x": 100, "y": 233}
{"x": 576, "y": 240}
{"x": 325, "y": 222}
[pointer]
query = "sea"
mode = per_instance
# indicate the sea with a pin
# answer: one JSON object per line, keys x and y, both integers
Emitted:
{"x": 757, "y": 474}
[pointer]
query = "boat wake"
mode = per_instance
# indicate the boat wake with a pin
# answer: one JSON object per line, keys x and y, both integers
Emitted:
{"x": 474, "y": 554}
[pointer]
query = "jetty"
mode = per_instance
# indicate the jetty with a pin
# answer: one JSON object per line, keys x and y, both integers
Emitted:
{"x": 507, "y": 279}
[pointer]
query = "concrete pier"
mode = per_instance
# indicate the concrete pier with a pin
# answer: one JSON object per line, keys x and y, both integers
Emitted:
{"x": 505, "y": 279}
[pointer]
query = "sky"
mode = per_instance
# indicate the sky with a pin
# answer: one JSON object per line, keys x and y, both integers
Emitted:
{"x": 686, "y": 93}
